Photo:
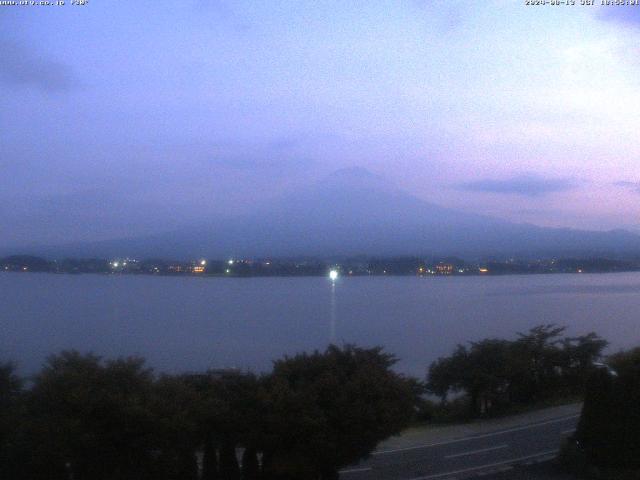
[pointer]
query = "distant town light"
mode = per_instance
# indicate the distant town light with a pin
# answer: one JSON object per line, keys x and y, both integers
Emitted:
{"x": 115, "y": 264}
{"x": 228, "y": 271}
{"x": 333, "y": 275}
{"x": 230, "y": 262}
{"x": 203, "y": 262}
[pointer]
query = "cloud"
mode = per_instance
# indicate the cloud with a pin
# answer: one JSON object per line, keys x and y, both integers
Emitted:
{"x": 22, "y": 67}
{"x": 634, "y": 186}
{"x": 525, "y": 185}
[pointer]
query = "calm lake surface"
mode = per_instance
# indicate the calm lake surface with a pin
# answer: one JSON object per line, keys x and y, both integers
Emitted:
{"x": 187, "y": 323}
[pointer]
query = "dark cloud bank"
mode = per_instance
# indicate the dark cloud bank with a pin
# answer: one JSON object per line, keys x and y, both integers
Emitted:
{"x": 525, "y": 185}
{"x": 634, "y": 186}
{"x": 24, "y": 68}
{"x": 625, "y": 14}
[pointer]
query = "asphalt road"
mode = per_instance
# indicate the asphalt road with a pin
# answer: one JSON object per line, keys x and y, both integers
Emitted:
{"x": 487, "y": 452}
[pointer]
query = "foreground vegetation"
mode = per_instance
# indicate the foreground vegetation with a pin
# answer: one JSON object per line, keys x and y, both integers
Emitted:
{"x": 85, "y": 418}
{"x": 494, "y": 375}
{"x": 606, "y": 444}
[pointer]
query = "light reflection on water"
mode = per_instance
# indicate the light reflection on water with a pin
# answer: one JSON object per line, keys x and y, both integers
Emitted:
{"x": 186, "y": 323}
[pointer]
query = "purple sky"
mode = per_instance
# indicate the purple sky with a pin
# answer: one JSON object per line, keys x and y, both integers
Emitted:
{"x": 121, "y": 118}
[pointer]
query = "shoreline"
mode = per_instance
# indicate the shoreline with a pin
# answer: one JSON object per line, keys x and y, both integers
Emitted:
{"x": 304, "y": 275}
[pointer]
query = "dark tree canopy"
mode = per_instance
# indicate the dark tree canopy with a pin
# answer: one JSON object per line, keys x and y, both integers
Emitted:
{"x": 94, "y": 419}
{"x": 495, "y": 373}
{"x": 90, "y": 418}
{"x": 330, "y": 409}
{"x": 609, "y": 427}
{"x": 10, "y": 396}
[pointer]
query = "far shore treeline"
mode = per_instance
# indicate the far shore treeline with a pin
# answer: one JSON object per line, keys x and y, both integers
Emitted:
{"x": 84, "y": 417}
{"x": 312, "y": 266}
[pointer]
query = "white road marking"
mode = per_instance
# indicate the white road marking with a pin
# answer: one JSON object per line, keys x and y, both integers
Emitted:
{"x": 489, "y": 465}
{"x": 473, "y": 452}
{"x": 486, "y": 435}
{"x": 354, "y": 470}
{"x": 567, "y": 432}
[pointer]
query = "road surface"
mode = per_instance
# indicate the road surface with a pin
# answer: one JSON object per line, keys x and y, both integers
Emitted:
{"x": 471, "y": 455}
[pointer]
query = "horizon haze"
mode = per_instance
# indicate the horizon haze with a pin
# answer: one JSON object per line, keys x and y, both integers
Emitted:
{"x": 352, "y": 212}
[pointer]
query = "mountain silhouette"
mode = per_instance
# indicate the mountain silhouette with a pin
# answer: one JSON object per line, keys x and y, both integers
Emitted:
{"x": 355, "y": 212}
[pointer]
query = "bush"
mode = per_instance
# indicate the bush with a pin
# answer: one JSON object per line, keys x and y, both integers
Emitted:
{"x": 90, "y": 419}
{"x": 608, "y": 432}
{"x": 496, "y": 374}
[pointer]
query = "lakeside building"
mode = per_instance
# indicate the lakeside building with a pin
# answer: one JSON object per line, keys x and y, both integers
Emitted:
{"x": 444, "y": 269}
{"x": 177, "y": 268}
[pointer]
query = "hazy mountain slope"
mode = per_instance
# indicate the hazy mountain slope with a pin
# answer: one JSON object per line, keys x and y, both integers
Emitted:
{"x": 356, "y": 212}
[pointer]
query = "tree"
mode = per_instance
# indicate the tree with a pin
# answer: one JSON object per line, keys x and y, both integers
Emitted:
{"x": 537, "y": 365}
{"x": 487, "y": 379}
{"x": 10, "y": 416}
{"x": 446, "y": 374}
{"x": 174, "y": 406}
{"x": 480, "y": 371}
{"x": 250, "y": 464}
{"x": 230, "y": 415}
{"x": 609, "y": 426}
{"x": 90, "y": 419}
{"x": 578, "y": 356}
{"x": 536, "y": 356}
{"x": 328, "y": 410}
{"x": 584, "y": 351}
{"x": 625, "y": 363}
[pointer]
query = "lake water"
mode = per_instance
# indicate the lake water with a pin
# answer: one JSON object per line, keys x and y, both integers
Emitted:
{"x": 187, "y": 323}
